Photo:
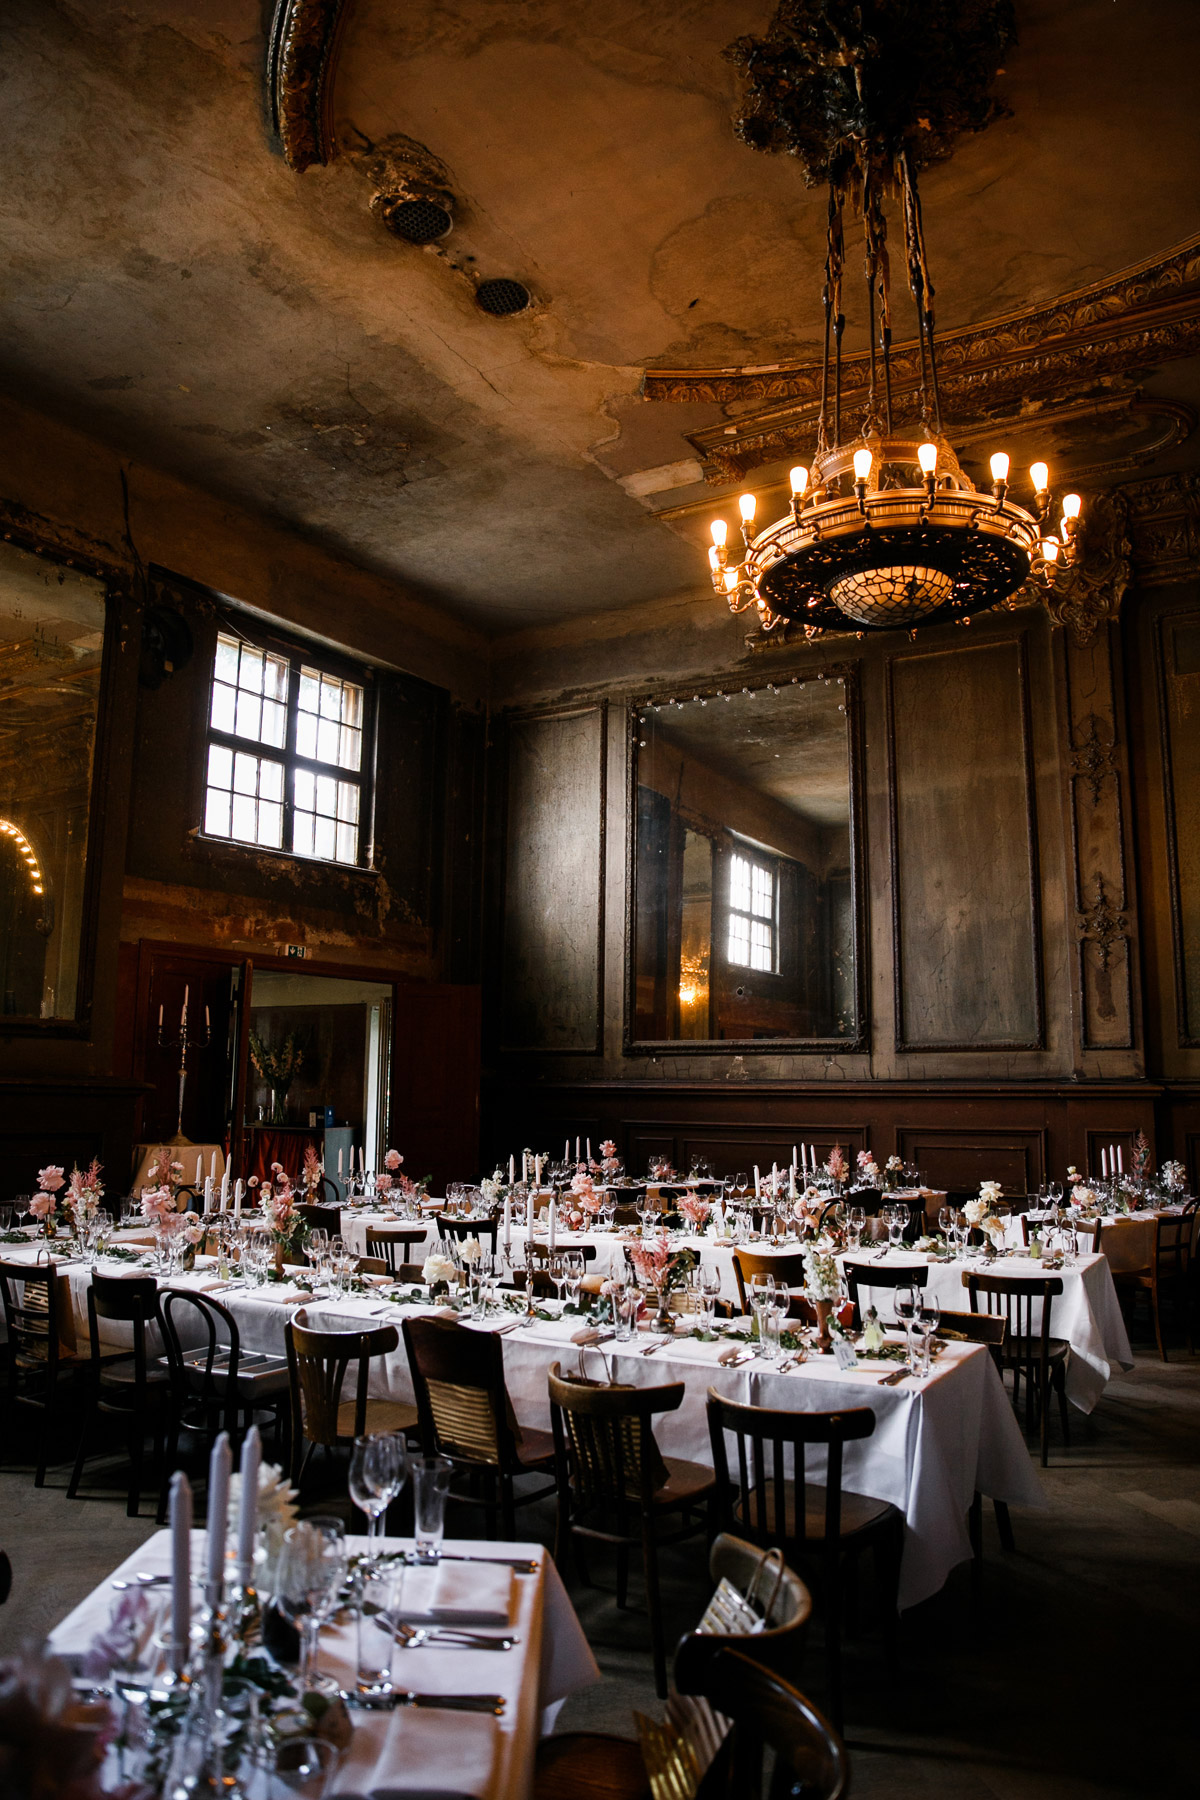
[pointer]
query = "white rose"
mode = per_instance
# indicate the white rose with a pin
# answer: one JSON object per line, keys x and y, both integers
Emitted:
{"x": 470, "y": 1250}
{"x": 437, "y": 1268}
{"x": 974, "y": 1211}
{"x": 990, "y": 1191}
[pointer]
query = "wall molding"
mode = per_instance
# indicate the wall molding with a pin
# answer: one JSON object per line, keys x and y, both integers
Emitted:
{"x": 301, "y": 59}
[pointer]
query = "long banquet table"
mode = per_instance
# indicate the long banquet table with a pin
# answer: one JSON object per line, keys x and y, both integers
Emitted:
{"x": 413, "y": 1750}
{"x": 935, "y": 1442}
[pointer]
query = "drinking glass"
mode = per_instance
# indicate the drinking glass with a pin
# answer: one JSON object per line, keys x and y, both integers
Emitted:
{"x": 310, "y": 1571}
{"x": 573, "y": 1265}
{"x": 625, "y": 1311}
{"x": 897, "y": 1220}
{"x": 558, "y": 1275}
{"x": 377, "y": 1471}
{"x": 762, "y": 1289}
{"x": 946, "y": 1221}
{"x": 376, "y": 1637}
{"x": 856, "y": 1224}
{"x": 770, "y": 1319}
{"x": 927, "y": 1318}
{"x": 431, "y": 1484}
{"x": 905, "y": 1301}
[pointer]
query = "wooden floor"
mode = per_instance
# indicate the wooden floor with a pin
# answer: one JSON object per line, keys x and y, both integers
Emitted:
{"x": 1074, "y": 1679}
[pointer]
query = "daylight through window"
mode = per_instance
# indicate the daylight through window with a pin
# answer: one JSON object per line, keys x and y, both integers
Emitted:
{"x": 751, "y": 943}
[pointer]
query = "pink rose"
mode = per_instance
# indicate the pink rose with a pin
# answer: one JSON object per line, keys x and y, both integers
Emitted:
{"x": 383, "y": 1184}
{"x": 41, "y": 1205}
{"x": 392, "y": 1160}
{"x": 50, "y": 1179}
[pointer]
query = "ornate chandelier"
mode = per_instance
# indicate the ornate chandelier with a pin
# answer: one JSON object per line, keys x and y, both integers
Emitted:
{"x": 885, "y": 530}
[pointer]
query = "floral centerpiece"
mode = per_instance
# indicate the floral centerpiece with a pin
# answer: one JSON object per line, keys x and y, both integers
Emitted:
{"x": 277, "y": 1204}
{"x": 695, "y": 1211}
{"x": 610, "y": 1162}
{"x": 979, "y": 1214}
{"x": 437, "y": 1272}
{"x": 312, "y": 1175}
{"x": 822, "y": 1286}
{"x": 868, "y": 1169}
{"x": 76, "y": 1206}
{"x": 584, "y": 1197}
{"x": 277, "y": 1511}
{"x": 165, "y": 1171}
{"x": 1141, "y": 1156}
{"x": 1085, "y": 1198}
{"x": 278, "y": 1068}
{"x": 661, "y": 1269}
{"x": 157, "y": 1204}
{"x": 836, "y": 1167}
{"x": 1174, "y": 1177}
{"x": 893, "y": 1166}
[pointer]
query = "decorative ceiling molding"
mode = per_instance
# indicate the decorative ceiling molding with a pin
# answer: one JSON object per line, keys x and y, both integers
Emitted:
{"x": 1146, "y": 315}
{"x": 301, "y": 58}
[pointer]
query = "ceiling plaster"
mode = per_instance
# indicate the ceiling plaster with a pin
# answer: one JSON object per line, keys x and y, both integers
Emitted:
{"x": 173, "y": 287}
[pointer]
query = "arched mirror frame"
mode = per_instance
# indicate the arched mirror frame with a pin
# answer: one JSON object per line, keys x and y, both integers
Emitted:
{"x": 116, "y": 589}
{"x": 778, "y": 680}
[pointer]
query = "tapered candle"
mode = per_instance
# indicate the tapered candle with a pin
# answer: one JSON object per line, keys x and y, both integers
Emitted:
{"x": 812, "y": 1157}
{"x": 1103, "y": 1163}
{"x": 181, "y": 1569}
{"x": 341, "y": 1170}
{"x": 220, "y": 1465}
{"x": 792, "y": 1182}
{"x": 160, "y": 1021}
{"x": 199, "y": 1170}
{"x": 248, "y": 1507}
{"x": 208, "y": 1193}
{"x": 225, "y": 1189}
{"x": 212, "y": 1165}
{"x": 567, "y": 1150}
{"x": 1120, "y": 1160}
{"x": 793, "y": 1156}
{"x": 183, "y": 1013}
{"x": 552, "y": 1225}
{"x": 537, "y": 1171}
{"x": 207, "y": 1023}
{"x": 589, "y": 1150}
{"x": 507, "y": 1223}
{"x": 757, "y": 1181}
{"x": 576, "y": 1149}
{"x": 529, "y": 1214}
{"x": 774, "y": 1177}
{"x": 524, "y": 1165}
{"x": 238, "y": 1191}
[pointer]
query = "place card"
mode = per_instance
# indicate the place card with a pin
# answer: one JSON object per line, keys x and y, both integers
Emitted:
{"x": 844, "y": 1354}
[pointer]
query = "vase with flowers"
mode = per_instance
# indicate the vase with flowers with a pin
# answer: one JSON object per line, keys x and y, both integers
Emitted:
{"x": 662, "y": 1270}
{"x": 278, "y": 1067}
{"x": 822, "y": 1287}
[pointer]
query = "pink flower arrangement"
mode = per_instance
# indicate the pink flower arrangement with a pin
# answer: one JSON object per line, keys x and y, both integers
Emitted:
{"x": 653, "y": 1261}
{"x": 50, "y": 1179}
{"x": 42, "y": 1205}
{"x": 695, "y": 1211}
{"x": 392, "y": 1160}
{"x": 157, "y": 1204}
{"x": 86, "y": 1191}
{"x": 383, "y": 1184}
{"x": 163, "y": 1170}
{"x": 193, "y": 1231}
{"x": 837, "y": 1163}
{"x": 313, "y": 1171}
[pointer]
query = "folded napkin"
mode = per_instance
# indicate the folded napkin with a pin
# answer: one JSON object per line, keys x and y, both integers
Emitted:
{"x": 423, "y": 1752}
{"x": 458, "y": 1593}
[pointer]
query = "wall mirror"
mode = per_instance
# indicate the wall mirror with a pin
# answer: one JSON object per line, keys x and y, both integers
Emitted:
{"x": 52, "y": 623}
{"x": 744, "y": 915}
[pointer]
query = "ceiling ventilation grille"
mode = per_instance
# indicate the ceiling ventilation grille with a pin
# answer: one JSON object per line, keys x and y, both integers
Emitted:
{"x": 501, "y": 297}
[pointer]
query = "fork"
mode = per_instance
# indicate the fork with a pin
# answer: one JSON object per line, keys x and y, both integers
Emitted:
{"x": 651, "y": 1348}
{"x": 414, "y": 1637}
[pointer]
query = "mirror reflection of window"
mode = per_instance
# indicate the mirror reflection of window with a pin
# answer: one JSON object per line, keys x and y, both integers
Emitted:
{"x": 51, "y": 650}
{"x": 743, "y": 917}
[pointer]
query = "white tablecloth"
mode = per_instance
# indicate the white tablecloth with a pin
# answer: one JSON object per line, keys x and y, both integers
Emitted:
{"x": 1087, "y": 1313}
{"x": 417, "y": 1748}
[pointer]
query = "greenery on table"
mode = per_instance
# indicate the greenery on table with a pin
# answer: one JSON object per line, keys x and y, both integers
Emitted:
{"x": 14, "y": 1237}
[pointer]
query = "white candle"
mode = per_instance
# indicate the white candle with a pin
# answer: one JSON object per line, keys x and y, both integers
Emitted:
{"x": 567, "y": 1150}
{"x": 340, "y": 1169}
{"x": 1120, "y": 1160}
{"x": 792, "y": 1182}
{"x": 524, "y": 1165}
{"x": 225, "y": 1189}
{"x": 793, "y": 1156}
{"x": 507, "y": 1223}
{"x": 512, "y": 1170}
{"x": 757, "y": 1181}
{"x": 1103, "y": 1163}
{"x": 537, "y": 1171}
{"x": 812, "y": 1157}
{"x": 208, "y": 1193}
{"x": 552, "y": 1227}
{"x": 238, "y": 1191}
{"x": 248, "y": 1507}
{"x": 199, "y": 1170}
{"x": 576, "y": 1149}
{"x": 207, "y": 1023}
{"x": 212, "y": 1165}
{"x": 181, "y": 1569}
{"x": 160, "y": 1021}
{"x": 529, "y": 1212}
{"x": 589, "y": 1150}
{"x": 220, "y": 1465}
{"x": 183, "y": 1013}
{"x": 774, "y": 1178}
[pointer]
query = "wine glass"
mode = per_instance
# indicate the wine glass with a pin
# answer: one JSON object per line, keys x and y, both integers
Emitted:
{"x": 558, "y": 1275}
{"x": 856, "y": 1224}
{"x": 905, "y": 1301}
{"x": 946, "y": 1216}
{"x": 378, "y": 1469}
{"x": 573, "y": 1265}
{"x": 309, "y": 1574}
{"x": 926, "y": 1320}
{"x": 897, "y": 1223}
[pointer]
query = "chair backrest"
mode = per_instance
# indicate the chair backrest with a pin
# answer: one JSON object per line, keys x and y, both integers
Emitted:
{"x": 320, "y": 1217}
{"x": 787, "y": 1268}
{"x": 462, "y": 1403}
{"x": 1013, "y": 1298}
{"x": 766, "y": 1476}
{"x": 869, "y": 1198}
{"x": 604, "y": 1434}
{"x": 468, "y": 1228}
{"x": 810, "y": 1759}
{"x": 203, "y": 1352}
{"x": 779, "y": 1645}
{"x": 392, "y": 1242}
{"x": 318, "y": 1362}
{"x": 1172, "y": 1245}
{"x": 881, "y": 1275}
{"x": 31, "y": 1319}
{"x": 371, "y": 1265}
{"x": 127, "y": 1300}
{"x": 541, "y": 1253}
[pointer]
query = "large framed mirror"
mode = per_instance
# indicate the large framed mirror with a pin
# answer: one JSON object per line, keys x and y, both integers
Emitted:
{"x": 745, "y": 926}
{"x": 52, "y": 635}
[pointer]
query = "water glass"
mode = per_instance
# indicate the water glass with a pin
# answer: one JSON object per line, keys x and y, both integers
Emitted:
{"x": 770, "y": 1320}
{"x": 431, "y": 1484}
{"x": 309, "y": 1573}
{"x": 378, "y": 1469}
{"x": 626, "y": 1302}
{"x": 376, "y": 1637}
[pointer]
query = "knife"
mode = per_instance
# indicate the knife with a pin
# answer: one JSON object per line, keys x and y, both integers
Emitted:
{"x": 472, "y": 1703}
{"x": 894, "y": 1378}
{"x": 522, "y": 1564}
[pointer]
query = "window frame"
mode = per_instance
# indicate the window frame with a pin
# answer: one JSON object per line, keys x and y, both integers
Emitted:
{"x": 298, "y": 655}
{"x": 763, "y": 860}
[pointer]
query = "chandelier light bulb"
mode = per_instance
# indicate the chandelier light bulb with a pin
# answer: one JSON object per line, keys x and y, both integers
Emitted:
{"x": 862, "y": 464}
{"x": 714, "y": 557}
{"x": 719, "y": 530}
{"x": 1071, "y": 506}
{"x": 1039, "y": 474}
{"x": 747, "y": 505}
{"x": 927, "y": 457}
{"x": 1000, "y": 466}
{"x": 1050, "y": 548}
{"x": 730, "y": 579}
{"x": 799, "y": 480}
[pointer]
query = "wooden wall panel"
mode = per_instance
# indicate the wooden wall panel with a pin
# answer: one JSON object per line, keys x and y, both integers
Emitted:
{"x": 964, "y": 854}
{"x": 962, "y": 1158}
{"x": 1179, "y": 694}
{"x": 554, "y": 882}
{"x": 1102, "y": 900}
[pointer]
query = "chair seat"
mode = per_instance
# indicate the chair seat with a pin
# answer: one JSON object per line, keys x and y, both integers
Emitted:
{"x": 862, "y": 1514}
{"x": 686, "y": 1483}
{"x": 587, "y": 1765}
{"x": 382, "y": 1415}
{"x": 124, "y": 1375}
{"x": 1024, "y": 1350}
{"x": 535, "y": 1449}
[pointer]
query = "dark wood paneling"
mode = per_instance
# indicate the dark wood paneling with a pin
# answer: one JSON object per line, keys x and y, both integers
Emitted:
{"x": 68, "y": 1123}
{"x": 1178, "y": 648}
{"x": 962, "y": 1159}
{"x": 554, "y": 881}
{"x": 964, "y": 850}
{"x": 1102, "y": 900}
{"x": 435, "y": 1082}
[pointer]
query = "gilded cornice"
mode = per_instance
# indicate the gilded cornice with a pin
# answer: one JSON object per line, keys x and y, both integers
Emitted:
{"x": 1146, "y": 315}
{"x": 300, "y": 63}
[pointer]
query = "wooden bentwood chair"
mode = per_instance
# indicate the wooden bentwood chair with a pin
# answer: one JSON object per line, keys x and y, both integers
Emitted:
{"x": 881, "y": 1275}
{"x": 615, "y": 1488}
{"x": 464, "y": 1413}
{"x": 36, "y": 1358}
{"x": 770, "y": 1502}
{"x": 318, "y": 1365}
{"x": 393, "y": 1243}
{"x": 1029, "y": 1351}
{"x": 1168, "y": 1273}
{"x": 123, "y": 1384}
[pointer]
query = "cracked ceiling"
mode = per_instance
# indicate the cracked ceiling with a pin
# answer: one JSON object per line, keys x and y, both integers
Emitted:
{"x": 174, "y": 288}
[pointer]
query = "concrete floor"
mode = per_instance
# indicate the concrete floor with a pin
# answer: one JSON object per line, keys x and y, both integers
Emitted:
{"x": 1072, "y": 1679}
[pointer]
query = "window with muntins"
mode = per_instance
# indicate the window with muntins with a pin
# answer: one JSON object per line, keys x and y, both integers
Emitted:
{"x": 284, "y": 755}
{"x": 752, "y": 914}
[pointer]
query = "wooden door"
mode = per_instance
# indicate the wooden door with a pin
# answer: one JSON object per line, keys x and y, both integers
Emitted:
{"x": 435, "y": 1082}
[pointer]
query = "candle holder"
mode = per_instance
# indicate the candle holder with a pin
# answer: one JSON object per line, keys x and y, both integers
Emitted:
{"x": 183, "y": 1041}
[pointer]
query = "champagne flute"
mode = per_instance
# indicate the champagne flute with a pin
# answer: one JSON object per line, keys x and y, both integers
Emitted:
{"x": 927, "y": 1318}
{"x": 378, "y": 1469}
